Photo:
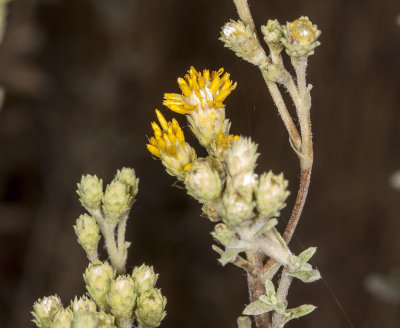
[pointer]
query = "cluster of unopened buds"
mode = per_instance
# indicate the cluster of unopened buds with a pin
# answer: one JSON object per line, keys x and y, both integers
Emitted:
{"x": 114, "y": 299}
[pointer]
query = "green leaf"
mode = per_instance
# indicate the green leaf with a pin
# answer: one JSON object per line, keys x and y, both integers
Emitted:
{"x": 229, "y": 255}
{"x": 267, "y": 226}
{"x": 256, "y": 308}
{"x": 306, "y": 255}
{"x": 279, "y": 238}
{"x": 298, "y": 312}
{"x": 306, "y": 276}
{"x": 269, "y": 288}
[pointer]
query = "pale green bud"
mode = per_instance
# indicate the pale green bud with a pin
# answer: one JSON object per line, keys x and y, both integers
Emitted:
{"x": 83, "y": 305}
{"x": 45, "y": 309}
{"x": 300, "y": 37}
{"x": 224, "y": 235}
{"x": 241, "y": 156}
{"x": 243, "y": 41}
{"x": 272, "y": 32}
{"x": 62, "y": 319}
{"x": 98, "y": 277}
{"x": 127, "y": 176}
{"x": 90, "y": 192}
{"x": 237, "y": 209}
{"x": 271, "y": 194}
{"x": 144, "y": 278}
{"x": 150, "y": 308}
{"x": 122, "y": 297}
{"x": 85, "y": 320}
{"x": 116, "y": 201}
{"x": 88, "y": 234}
{"x": 203, "y": 182}
{"x": 105, "y": 320}
{"x": 212, "y": 213}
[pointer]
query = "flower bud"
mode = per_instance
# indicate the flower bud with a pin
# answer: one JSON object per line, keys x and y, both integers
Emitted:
{"x": 90, "y": 192}
{"x": 85, "y": 320}
{"x": 62, "y": 319}
{"x": 243, "y": 41}
{"x": 127, "y": 176}
{"x": 88, "y": 234}
{"x": 212, "y": 213}
{"x": 224, "y": 234}
{"x": 122, "y": 297}
{"x": 83, "y": 305}
{"x": 98, "y": 277}
{"x": 237, "y": 209}
{"x": 116, "y": 201}
{"x": 300, "y": 37}
{"x": 144, "y": 278}
{"x": 271, "y": 194}
{"x": 203, "y": 182}
{"x": 105, "y": 320}
{"x": 151, "y": 307}
{"x": 241, "y": 156}
{"x": 45, "y": 309}
{"x": 272, "y": 32}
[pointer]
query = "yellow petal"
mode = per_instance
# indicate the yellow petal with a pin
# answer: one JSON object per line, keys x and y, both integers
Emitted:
{"x": 172, "y": 96}
{"x": 214, "y": 86}
{"x": 162, "y": 120}
{"x": 184, "y": 87}
{"x": 220, "y": 97}
{"x": 154, "y": 150}
{"x": 178, "y": 109}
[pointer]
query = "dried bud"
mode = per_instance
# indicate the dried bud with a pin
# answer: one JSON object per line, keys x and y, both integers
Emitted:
{"x": 85, "y": 320}
{"x": 83, "y": 305}
{"x": 150, "y": 311}
{"x": 241, "y": 156}
{"x": 203, "y": 182}
{"x": 88, "y": 234}
{"x": 98, "y": 277}
{"x": 122, "y": 297}
{"x": 144, "y": 278}
{"x": 224, "y": 234}
{"x": 272, "y": 32}
{"x": 45, "y": 309}
{"x": 300, "y": 38}
{"x": 243, "y": 41}
{"x": 116, "y": 201}
{"x": 127, "y": 176}
{"x": 90, "y": 192}
{"x": 271, "y": 194}
{"x": 62, "y": 319}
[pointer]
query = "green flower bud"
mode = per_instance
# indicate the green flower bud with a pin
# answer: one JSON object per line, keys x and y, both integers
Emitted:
{"x": 116, "y": 201}
{"x": 90, "y": 192}
{"x": 144, "y": 278}
{"x": 85, "y": 320}
{"x": 98, "y": 277}
{"x": 105, "y": 320}
{"x": 272, "y": 32}
{"x": 151, "y": 307}
{"x": 62, "y": 319}
{"x": 241, "y": 156}
{"x": 127, "y": 176}
{"x": 243, "y": 41}
{"x": 83, "y": 305}
{"x": 300, "y": 37}
{"x": 88, "y": 234}
{"x": 237, "y": 209}
{"x": 122, "y": 297}
{"x": 224, "y": 234}
{"x": 45, "y": 309}
{"x": 203, "y": 182}
{"x": 271, "y": 194}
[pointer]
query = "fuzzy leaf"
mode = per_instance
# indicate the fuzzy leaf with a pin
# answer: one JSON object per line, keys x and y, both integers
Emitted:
{"x": 229, "y": 255}
{"x": 256, "y": 308}
{"x": 306, "y": 276}
{"x": 267, "y": 226}
{"x": 306, "y": 255}
{"x": 279, "y": 238}
{"x": 298, "y": 312}
{"x": 274, "y": 303}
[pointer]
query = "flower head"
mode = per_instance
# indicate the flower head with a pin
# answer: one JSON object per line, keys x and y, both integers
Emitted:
{"x": 202, "y": 99}
{"x": 169, "y": 144}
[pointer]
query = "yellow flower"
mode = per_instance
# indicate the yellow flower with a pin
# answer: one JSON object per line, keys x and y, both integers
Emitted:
{"x": 202, "y": 99}
{"x": 169, "y": 144}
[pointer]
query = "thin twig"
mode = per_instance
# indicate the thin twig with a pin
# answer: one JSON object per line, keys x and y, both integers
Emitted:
{"x": 242, "y": 7}
{"x": 284, "y": 285}
{"x": 238, "y": 261}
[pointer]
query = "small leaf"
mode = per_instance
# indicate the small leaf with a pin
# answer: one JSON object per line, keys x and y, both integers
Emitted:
{"x": 229, "y": 255}
{"x": 256, "y": 308}
{"x": 279, "y": 307}
{"x": 243, "y": 322}
{"x": 269, "y": 288}
{"x": 306, "y": 276}
{"x": 307, "y": 254}
{"x": 279, "y": 237}
{"x": 267, "y": 226}
{"x": 298, "y": 312}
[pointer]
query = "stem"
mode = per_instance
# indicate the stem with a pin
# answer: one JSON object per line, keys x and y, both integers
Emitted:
{"x": 109, "y": 239}
{"x": 242, "y": 7}
{"x": 121, "y": 239}
{"x": 238, "y": 261}
{"x": 284, "y": 285}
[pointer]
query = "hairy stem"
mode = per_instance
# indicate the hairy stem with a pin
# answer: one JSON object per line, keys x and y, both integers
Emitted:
{"x": 242, "y": 7}
{"x": 284, "y": 285}
{"x": 122, "y": 253}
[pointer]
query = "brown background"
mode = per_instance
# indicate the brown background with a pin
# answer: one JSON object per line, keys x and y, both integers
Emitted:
{"x": 83, "y": 78}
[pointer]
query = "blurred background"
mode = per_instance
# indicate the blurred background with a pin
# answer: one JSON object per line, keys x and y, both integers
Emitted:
{"x": 82, "y": 80}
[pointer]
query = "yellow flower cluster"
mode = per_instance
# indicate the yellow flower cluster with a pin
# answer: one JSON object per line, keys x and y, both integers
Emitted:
{"x": 169, "y": 144}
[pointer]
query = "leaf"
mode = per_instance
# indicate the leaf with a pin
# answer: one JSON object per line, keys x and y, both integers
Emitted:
{"x": 306, "y": 276}
{"x": 306, "y": 255}
{"x": 272, "y": 301}
{"x": 267, "y": 226}
{"x": 279, "y": 238}
{"x": 229, "y": 255}
{"x": 256, "y": 308}
{"x": 298, "y": 312}
{"x": 269, "y": 288}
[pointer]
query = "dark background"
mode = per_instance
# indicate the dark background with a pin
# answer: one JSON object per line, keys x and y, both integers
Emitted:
{"x": 83, "y": 78}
